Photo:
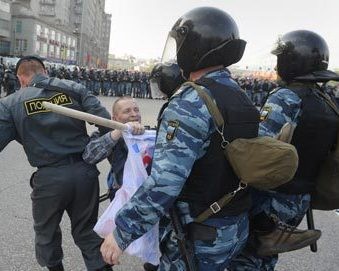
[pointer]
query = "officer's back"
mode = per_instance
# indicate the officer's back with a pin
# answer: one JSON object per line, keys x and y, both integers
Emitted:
{"x": 63, "y": 182}
{"x": 47, "y": 137}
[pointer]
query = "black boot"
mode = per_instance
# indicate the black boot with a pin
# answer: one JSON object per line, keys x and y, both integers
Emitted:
{"x": 106, "y": 268}
{"x": 58, "y": 267}
{"x": 150, "y": 267}
{"x": 281, "y": 238}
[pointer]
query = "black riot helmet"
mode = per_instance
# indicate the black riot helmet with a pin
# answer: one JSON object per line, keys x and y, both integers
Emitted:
{"x": 300, "y": 53}
{"x": 204, "y": 37}
{"x": 165, "y": 78}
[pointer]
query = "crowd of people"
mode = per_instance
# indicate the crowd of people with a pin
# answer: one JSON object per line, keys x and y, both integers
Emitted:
{"x": 118, "y": 83}
{"x": 107, "y": 82}
{"x": 9, "y": 82}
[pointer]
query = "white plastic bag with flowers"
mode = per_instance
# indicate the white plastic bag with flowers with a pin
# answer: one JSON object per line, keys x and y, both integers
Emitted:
{"x": 140, "y": 153}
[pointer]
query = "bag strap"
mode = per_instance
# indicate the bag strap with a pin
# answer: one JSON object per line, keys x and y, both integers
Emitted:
{"x": 210, "y": 103}
{"x": 317, "y": 90}
{"x": 328, "y": 101}
{"x": 216, "y": 206}
{"x": 213, "y": 109}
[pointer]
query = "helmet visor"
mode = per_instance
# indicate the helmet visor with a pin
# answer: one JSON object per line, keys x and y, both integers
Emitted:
{"x": 279, "y": 47}
{"x": 175, "y": 40}
{"x": 155, "y": 90}
{"x": 170, "y": 50}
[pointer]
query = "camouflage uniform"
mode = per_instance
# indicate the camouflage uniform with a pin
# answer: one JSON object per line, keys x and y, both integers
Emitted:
{"x": 172, "y": 162}
{"x": 282, "y": 106}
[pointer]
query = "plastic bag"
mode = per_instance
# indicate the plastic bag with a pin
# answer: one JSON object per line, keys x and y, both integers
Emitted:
{"x": 140, "y": 153}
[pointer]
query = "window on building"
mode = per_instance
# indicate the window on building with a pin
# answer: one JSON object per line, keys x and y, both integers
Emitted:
{"x": 72, "y": 55}
{"x": 44, "y": 49}
{"x": 37, "y": 47}
{"x": 63, "y": 39}
{"x": 4, "y": 47}
{"x": 46, "y": 32}
{"x": 47, "y": 10}
{"x": 4, "y": 24}
{"x": 20, "y": 45}
{"x": 57, "y": 52}
{"x": 5, "y": 7}
{"x": 52, "y": 35}
{"x": 18, "y": 27}
{"x": 38, "y": 29}
{"x": 58, "y": 36}
{"x": 63, "y": 53}
{"x": 69, "y": 41}
{"x": 47, "y": 1}
{"x": 73, "y": 42}
{"x": 51, "y": 50}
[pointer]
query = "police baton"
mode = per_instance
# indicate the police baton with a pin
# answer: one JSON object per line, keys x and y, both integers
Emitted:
{"x": 310, "y": 225}
{"x": 85, "y": 116}
{"x": 185, "y": 246}
{"x": 89, "y": 118}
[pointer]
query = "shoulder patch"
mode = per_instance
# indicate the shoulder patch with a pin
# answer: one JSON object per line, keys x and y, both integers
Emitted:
{"x": 173, "y": 125}
{"x": 35, "y": 106}
{"x": 265, "y": 112}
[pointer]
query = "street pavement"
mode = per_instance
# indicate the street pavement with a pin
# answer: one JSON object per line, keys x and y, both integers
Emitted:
{"x": 16, "y": 225}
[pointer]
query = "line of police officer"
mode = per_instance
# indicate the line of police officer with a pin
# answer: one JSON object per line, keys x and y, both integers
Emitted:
{"x": 8, "y": 80}
{"x": 107, "y": 82}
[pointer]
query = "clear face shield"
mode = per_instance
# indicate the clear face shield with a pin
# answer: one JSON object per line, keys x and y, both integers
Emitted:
{"x": 155, "y": 90}
{"x": 169, "y": 53}
{"x": 173, "y": 44}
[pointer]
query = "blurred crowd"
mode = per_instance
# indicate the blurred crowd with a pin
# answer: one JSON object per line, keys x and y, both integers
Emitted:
{"x": 107, "y": 82}
{"x": 119, "y": 83}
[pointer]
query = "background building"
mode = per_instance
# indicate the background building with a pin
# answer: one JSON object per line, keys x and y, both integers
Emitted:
{"x": 92, "y": 26}
{"x": 5, "y": 27}
{"x": 63, "y": 31}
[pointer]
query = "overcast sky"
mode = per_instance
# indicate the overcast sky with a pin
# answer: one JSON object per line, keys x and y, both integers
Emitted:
{"x": 140, "y": 27}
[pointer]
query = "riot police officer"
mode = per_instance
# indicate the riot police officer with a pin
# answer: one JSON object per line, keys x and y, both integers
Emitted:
{"x": 302, "y": 62}
{"x": 10, "y": 82}
{"x": 165, "y": 78}
{"x": 189, "y": 171}
{"x": 2, "y": 73}
{"x": 54, "y": 144}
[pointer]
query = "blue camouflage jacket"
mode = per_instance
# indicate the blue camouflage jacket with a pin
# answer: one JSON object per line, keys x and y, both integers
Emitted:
{"x": 183, "y": 137}
{"x": 282, "y": 106}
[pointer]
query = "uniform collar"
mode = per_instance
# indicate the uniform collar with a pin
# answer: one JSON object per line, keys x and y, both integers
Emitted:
{"x": 222, "y": 71}
{"x": 37, "y": 78}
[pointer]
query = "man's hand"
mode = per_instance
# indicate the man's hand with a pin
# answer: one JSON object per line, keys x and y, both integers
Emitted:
{"x": 135, "y": 128}
{"x": 110, "y": 250}
{"x": 116, "y": 134}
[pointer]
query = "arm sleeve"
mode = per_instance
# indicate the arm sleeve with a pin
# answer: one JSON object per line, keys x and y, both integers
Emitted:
{"x": 98, "y": 148}
{"x": 281, "y": 107}
{"x": 7, "y": 127}
{"x": 172, "y": 162}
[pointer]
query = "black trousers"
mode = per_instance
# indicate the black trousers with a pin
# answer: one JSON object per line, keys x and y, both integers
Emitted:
{"x": 73, "y": 188}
